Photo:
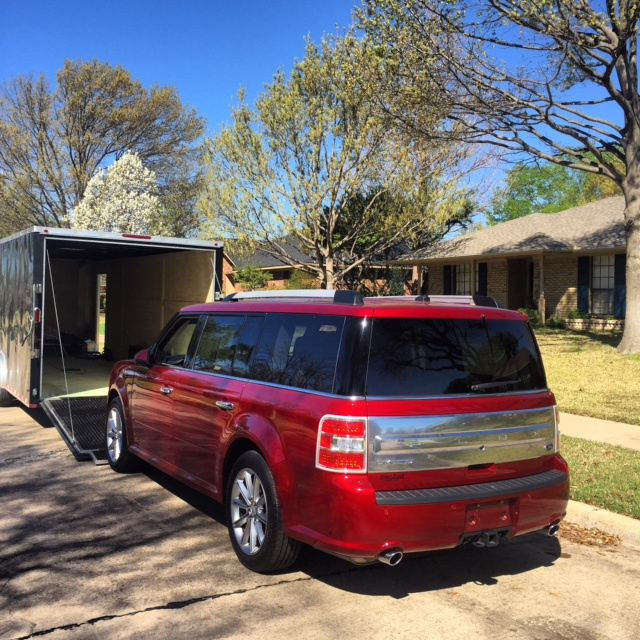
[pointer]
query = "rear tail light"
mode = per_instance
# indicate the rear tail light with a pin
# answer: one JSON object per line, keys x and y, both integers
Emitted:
{"x": 342, "y": 444}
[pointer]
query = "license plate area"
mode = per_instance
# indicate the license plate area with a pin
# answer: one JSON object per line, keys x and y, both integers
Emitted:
{"x": 485, "y": 516}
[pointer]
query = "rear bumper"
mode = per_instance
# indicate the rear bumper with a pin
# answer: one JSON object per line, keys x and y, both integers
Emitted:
{"x": 361, "y": 524}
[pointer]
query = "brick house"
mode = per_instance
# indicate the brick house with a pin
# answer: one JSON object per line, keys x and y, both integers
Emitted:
{"x": 555, "y": 263}
{"x": 280, "y": 271}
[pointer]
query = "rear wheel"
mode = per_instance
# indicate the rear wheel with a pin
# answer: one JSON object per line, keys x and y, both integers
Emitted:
{"x": 118, "y": 454}
{"x": 5, "y": 398}
{"x": 254, "y": 517}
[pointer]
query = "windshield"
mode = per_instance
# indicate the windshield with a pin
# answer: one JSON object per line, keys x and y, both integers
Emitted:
{"x": 417, "y": 357}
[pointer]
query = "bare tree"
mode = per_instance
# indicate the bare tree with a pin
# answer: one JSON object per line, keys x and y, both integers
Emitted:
{"x": 556, "y": 79}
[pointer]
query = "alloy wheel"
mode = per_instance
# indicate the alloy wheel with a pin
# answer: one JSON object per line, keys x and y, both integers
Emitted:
{"x": 249, "y": 511}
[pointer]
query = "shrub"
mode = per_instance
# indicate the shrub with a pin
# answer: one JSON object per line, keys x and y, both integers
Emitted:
{"x": 576, "y": 314}
{"x": 533, "y": 315}
{"x": 555, "y": 323}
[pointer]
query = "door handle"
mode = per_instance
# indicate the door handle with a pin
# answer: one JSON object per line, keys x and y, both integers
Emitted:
{"x": 167, "y": 391}
{"x": 224, "y": 405}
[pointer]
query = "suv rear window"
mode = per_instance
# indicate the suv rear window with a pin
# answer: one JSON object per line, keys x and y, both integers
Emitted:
{"x": 417, "y": 357}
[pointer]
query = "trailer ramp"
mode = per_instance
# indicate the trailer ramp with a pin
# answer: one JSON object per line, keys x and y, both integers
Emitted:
{"x": 80, "y": 421}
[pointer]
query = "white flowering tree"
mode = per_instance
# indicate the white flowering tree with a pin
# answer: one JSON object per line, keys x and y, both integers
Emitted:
{"x": 122, "y": 198}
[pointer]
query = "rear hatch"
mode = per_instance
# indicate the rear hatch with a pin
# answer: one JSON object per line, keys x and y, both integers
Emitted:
{"x": 454, "y": 401}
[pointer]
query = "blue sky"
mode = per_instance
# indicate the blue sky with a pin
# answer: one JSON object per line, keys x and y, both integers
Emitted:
{"x": 205, "y": 48}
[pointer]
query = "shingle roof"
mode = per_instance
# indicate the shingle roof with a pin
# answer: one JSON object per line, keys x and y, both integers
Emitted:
{"x": 264, "y": 260}
{"x": 597, "y": 225}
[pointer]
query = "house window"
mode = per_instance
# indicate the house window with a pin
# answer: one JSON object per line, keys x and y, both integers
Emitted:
{"x": 602, "y": 285}
{"x": 463, "y": 280}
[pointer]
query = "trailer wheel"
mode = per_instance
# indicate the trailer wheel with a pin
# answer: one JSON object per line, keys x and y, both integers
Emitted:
{"x": 118, "y": 454}
{"x": 5, "y": 398}
{"x": 254, "y": 519}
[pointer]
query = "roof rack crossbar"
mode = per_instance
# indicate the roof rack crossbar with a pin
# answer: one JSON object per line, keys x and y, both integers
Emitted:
{"x": 478, "y": 301}
{"x": 337, "y": 295}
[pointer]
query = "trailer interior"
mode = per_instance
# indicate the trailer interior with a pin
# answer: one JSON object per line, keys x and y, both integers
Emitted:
{"x": 103, "y": 302}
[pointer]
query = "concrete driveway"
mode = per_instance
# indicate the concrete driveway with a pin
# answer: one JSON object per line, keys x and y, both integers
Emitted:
{"x": 88, "y": 553}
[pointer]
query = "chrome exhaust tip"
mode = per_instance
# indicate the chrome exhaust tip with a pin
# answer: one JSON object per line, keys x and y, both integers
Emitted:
{"x": 552, "y": 530}
{"x": 392, "y": 557}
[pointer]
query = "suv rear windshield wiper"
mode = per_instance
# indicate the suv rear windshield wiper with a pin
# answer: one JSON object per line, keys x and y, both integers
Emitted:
{"x": 484, "y": 386}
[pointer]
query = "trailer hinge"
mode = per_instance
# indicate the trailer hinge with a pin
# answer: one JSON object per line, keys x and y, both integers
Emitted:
{"x": 37, "y": 288}
{"x": 35, "y": 354}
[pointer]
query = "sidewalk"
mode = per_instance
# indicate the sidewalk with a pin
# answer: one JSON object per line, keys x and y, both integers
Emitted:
{"x": 616, "y": 433}
{"x": 623, "y": 435}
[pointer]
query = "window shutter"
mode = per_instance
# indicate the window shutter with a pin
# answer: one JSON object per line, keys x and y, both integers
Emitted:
{"x": 620, "y": 286}
{"x": 447, "y": 274}
{"x": 482, "y": 279}
{"x": 584, "y": 281}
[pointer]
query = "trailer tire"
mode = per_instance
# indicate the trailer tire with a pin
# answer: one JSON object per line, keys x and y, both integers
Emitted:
{"x": 6, "y": 398}
{"x": 118, "y": 454}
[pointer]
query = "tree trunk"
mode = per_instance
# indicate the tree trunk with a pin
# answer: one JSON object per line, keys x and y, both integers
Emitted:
{"x": 630, "y": 342}
{"x": 329, "y": 275}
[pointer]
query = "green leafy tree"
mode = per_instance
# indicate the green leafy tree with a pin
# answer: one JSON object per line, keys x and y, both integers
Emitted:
{"x": 546, "y": 187}
{"x": 289, "y": 168}
{"x": 252, "y": 278}
{"x": 53, "y": 141}
{"x": 555, "y": 79}
{"x": 371, "y": 275}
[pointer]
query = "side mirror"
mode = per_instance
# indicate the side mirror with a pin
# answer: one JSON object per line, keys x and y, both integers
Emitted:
{"x": 142, "y": 357}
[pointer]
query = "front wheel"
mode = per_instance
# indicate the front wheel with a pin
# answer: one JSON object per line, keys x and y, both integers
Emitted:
{"x": 118, "y": 454}
{"x": 254, "y": 517}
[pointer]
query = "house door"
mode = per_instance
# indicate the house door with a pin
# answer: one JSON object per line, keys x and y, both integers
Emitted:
{"x": 518, "y": 284}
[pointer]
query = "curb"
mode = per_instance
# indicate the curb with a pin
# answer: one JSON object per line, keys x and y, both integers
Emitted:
{"x": 588, "y": 516}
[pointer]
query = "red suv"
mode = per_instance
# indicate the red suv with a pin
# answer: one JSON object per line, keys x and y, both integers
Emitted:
{"x": 367, "y": 428}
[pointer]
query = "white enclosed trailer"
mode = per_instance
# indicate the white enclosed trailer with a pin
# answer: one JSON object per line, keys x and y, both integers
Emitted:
{"x": 51, "y": 306}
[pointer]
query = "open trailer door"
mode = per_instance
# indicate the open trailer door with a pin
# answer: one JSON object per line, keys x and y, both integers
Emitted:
{"x": 20, "y": 304}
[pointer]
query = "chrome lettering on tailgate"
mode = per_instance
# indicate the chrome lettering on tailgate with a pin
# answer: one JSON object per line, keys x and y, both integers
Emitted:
{"x": 421, "y": 443}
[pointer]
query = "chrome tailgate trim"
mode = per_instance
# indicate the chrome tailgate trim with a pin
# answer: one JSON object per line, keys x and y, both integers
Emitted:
{"x": 425, "y": 443}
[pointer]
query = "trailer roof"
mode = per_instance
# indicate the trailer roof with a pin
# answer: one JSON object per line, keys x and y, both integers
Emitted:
{"x": 97, "y": 244}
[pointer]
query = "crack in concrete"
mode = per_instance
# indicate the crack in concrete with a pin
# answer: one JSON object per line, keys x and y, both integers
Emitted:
{"x": 179, "y": 604}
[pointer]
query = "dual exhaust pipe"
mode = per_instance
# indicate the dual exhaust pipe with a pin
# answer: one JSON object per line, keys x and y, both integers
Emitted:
{"x": 392, "y": 557}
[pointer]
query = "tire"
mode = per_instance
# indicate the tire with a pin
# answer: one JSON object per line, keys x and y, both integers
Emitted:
{"x": 254, "y": 517}
{"x": 118, "y": 454}
{"x": 6, "y": 399}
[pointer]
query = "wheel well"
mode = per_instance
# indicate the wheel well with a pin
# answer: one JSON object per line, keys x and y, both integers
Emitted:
{"x": 235, "y": 451}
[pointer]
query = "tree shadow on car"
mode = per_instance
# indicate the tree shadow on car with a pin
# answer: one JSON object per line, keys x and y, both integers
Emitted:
{"x": 434, "y": 571}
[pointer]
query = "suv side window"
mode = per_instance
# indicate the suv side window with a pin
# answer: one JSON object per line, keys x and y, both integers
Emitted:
{"x": 299, "y": 350}
{"x": 172, "y": 350}
{"x": 246, "y": 346}
{"x": 217, "y": 346}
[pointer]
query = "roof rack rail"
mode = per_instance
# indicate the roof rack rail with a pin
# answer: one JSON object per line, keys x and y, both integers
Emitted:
{"x": 478, "y": 301}
{"x": 340, "y": 296}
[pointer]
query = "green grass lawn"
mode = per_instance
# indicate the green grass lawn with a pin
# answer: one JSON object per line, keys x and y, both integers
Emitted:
{"x": 589, "y": 377}
{"x": 604, "y": 476}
